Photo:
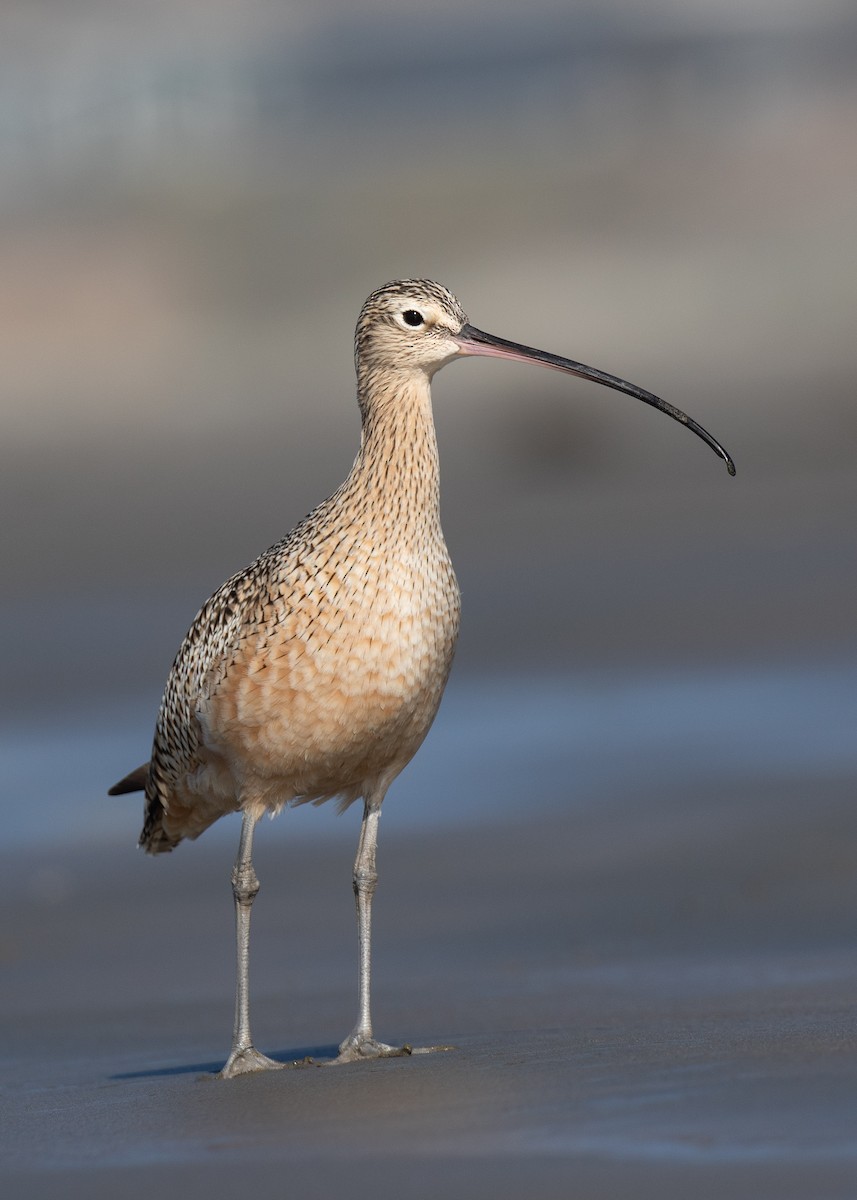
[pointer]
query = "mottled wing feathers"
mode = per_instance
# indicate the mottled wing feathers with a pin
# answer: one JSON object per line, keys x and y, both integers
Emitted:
{"x": 201, "y": 663}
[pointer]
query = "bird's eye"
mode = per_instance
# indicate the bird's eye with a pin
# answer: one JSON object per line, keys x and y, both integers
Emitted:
{"x": 411, "y": 317}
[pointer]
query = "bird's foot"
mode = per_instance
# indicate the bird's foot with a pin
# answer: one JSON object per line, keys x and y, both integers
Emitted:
{"x": 241, "y": 1062}
{"x": 359, "y": 1049}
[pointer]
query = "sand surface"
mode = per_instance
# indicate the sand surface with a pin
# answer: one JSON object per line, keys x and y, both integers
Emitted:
{"x": 652, "y": 997}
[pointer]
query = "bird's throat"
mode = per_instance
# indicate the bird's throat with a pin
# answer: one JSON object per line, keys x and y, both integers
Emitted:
{"x": 397, "y": 469}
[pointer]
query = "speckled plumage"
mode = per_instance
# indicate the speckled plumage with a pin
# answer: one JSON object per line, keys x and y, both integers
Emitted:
{"x": 318, "y": 670}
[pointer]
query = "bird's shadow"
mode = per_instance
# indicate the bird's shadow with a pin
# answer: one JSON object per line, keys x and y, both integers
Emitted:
{"x": 304, "y": 1056}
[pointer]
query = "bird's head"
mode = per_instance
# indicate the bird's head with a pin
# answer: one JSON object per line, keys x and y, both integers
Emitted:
{"x": 407, "y": 326}
{"x": 412, "y": 327}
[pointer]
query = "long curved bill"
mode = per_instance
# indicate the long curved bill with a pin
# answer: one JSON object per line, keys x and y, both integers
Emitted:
{"x": 474, "y": 341}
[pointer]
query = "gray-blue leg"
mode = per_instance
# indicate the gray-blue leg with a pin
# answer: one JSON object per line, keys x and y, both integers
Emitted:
{"x": 244, "y": 1056}
{"x": 360, "y": 1043}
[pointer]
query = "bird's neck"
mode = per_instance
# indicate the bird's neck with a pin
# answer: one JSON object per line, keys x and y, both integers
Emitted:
{"x": 397, "y": 464}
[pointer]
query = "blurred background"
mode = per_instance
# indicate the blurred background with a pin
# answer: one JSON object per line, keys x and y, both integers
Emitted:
{"x": 196, "y": 197}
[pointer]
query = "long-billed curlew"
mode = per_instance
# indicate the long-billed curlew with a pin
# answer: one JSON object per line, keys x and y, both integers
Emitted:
{"x": 317, "y": 671}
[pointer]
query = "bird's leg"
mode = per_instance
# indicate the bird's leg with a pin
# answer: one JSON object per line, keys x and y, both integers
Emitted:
{"x": 244, "y": 1056}
{"x": 360, "y": 1043}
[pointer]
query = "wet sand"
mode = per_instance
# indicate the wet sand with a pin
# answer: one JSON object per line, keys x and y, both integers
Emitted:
{"x": 647, "y": 968}
{"x": 653, "y": 996}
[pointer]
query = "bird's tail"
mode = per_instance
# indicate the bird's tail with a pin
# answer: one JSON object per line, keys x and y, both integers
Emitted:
{"x": 154, "y": 839}
{"x": 133, "y": 782}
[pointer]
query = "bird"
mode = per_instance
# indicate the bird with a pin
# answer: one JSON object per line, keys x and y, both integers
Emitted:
{"x": 316, "y": 672}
